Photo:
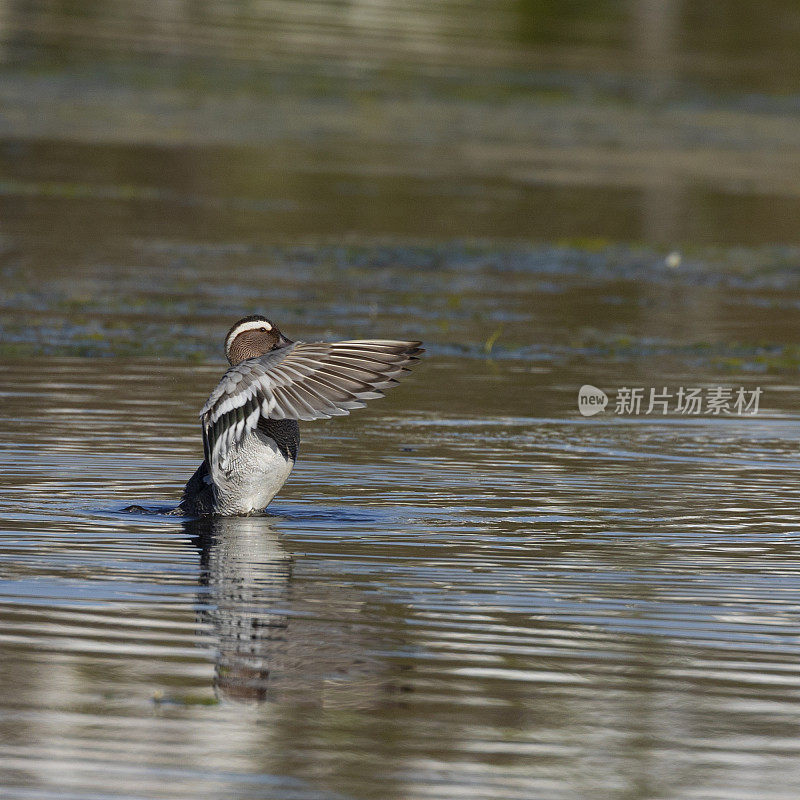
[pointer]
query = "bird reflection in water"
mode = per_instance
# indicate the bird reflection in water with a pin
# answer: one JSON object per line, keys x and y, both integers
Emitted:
{"x": 279, "y": 638}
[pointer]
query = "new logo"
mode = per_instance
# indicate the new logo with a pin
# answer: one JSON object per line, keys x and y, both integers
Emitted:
{"x": 591, "y": 400}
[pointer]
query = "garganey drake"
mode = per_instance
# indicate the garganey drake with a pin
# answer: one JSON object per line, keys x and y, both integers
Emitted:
{"x": 250, "y": 421}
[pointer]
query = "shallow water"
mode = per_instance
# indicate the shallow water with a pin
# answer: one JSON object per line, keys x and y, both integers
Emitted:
{"x": 466, "y": 589}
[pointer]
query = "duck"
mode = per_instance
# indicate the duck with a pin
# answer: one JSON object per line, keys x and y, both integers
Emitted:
{"x": 251, "y": 421}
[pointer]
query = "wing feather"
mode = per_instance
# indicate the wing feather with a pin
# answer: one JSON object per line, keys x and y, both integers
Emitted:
{"x": 305, "y": 381}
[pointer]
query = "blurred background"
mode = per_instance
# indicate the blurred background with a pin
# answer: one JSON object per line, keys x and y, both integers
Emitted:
{"x": 654, "y": 121}
{"x": 153, "y": 135}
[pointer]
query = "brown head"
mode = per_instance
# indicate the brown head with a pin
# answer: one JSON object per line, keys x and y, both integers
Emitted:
{"x": 251, "y": 337}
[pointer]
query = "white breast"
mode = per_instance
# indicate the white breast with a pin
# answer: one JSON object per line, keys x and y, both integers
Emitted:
{"x": 255, "y": 474}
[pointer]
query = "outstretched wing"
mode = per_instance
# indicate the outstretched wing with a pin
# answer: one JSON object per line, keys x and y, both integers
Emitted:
{"x": 304, "y": 381}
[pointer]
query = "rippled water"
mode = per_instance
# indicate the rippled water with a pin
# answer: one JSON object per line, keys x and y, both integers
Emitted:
{"x": 446, "y": 599}
{"x": 466, "y": 589}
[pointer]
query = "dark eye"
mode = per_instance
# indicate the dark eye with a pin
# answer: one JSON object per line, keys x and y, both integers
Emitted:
{"x": 263, "y": 329}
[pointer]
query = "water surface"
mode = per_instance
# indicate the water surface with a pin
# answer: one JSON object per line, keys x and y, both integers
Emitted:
{"x": 509, "y": 600}
{"x": 466, "y": 589}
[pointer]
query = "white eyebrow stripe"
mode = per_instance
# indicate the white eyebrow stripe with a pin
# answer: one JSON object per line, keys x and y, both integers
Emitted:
{"x": 252, "y": 325}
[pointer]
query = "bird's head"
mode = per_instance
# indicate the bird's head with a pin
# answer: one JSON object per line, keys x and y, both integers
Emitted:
{"x": 251, "y": 337}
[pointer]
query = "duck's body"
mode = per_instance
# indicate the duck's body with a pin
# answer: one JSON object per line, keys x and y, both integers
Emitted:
{"x": 251, "y": 433}
{"x": 260, "y": 466}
